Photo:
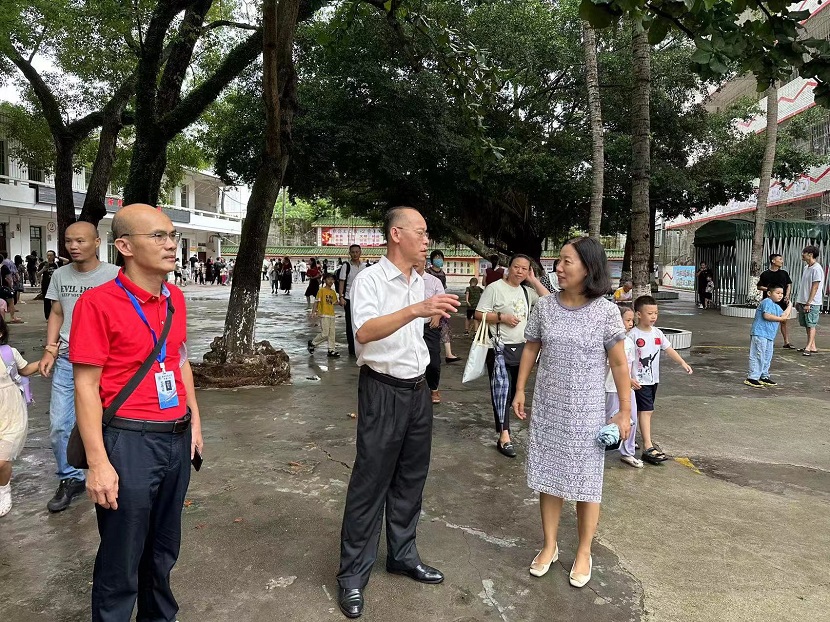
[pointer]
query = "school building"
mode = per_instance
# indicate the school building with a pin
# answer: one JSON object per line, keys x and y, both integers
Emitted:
{"x": 207, "y": 212}
{"x": 804, "y": 199}
{"x": 333, "y": 237}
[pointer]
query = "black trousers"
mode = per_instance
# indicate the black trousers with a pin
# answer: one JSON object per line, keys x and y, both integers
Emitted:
{"x": 47, "y": 307}
{"x": 432, "y": 337}
{"x": 394, "y": 438}
{"x": 513, "y": 376}
{"x": 140, "y": 540}
{"x": 349, "y": 329}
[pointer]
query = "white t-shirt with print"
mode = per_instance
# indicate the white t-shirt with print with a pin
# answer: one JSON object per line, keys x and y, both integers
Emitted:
{"x": 648, "y": 345}
{"x": 501, "y": 297}
{"x": 810, "y": 275}
{"x": 630, "y": 357}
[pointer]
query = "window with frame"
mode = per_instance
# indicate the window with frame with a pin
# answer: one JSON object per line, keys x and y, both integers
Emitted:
{"x": 185, "y": 191}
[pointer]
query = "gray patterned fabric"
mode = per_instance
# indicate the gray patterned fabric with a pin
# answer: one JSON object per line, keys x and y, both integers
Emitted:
{"x": 564, "y": 458}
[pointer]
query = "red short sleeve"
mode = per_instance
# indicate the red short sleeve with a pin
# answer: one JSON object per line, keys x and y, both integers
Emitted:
{"x": 89, "y": 342}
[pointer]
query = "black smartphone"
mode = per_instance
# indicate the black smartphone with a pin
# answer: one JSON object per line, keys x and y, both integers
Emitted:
{"x": 197, "y": 459}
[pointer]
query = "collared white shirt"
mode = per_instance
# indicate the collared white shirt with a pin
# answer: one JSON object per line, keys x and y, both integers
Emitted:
{"x": 380, "y": 290}
{"x": 354, "y": 270}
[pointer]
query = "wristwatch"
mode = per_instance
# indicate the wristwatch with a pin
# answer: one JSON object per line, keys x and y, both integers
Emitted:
{"x": 498, "y": 317}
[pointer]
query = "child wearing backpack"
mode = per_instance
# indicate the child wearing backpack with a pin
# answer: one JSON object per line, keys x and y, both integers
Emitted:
{"x": 14, "y": 396}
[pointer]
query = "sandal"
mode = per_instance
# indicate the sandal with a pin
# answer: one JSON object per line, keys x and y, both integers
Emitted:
{"x": 653, "y": 455}
{"x": 789, "y": 346}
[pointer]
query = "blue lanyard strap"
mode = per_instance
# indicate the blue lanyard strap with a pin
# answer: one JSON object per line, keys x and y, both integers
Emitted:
{"x": 162, "y": 356}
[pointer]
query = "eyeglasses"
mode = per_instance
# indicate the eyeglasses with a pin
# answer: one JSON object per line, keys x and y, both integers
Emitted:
{"x": 421, "y": 233}
{"x": 159, "y": 237}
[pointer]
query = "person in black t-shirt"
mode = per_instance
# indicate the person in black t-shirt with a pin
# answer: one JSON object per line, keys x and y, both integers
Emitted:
{"x": 776, "y": 275}
{"x": 703, "y": 275}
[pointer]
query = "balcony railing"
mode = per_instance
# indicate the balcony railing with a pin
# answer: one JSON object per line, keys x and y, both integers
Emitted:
{"x": 45, "y": 193}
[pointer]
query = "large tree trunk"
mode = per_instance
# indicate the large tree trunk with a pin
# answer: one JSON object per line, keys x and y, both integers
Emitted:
{"x": 589, "y": 43}
{"x": 95, "y": 207}
{"x": 65, "y": 148}
{"x": 279, "y": 83}
{"x": 753, "y": 295}
{"x": 641, "y": 165}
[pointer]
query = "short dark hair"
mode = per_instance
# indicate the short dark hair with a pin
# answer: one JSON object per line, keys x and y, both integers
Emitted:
{"x": 772, "y": 287}
{"x": 644, "y": 301}
{"x": 436, "y": 253}
{"x": 812, "y": 250}
{"x": 494, "y": 261}
{"x": 598, "y": 280}
{"x": 773, "y": 256}
{"x": 624, "y": 308}
{"x": 520, "y": 256}
{"x": 329, "y": 275}
{"x": 354, "y": 246}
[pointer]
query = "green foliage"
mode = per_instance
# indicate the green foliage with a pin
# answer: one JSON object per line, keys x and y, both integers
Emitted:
{"x": 764, "y": 38}
{"x": 376, "y": 128}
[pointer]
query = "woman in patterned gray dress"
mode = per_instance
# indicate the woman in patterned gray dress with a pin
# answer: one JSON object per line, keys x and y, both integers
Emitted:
{"x": 576, "y": 329}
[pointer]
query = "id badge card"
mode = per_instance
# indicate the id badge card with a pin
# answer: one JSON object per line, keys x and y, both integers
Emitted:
{"x": 166, "y": 389}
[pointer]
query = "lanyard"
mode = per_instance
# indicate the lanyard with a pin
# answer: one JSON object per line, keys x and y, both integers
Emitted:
{"x": 162, "y": 356}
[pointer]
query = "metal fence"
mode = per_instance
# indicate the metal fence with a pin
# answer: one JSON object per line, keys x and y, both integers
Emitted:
{"x": 729, "y": 256}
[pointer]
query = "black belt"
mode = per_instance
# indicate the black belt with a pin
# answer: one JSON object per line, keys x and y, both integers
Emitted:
{"x": 141, "y": 425}
{"x": 408, "y": 383}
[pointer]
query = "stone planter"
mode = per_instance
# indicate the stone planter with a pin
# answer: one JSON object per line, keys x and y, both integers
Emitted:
{"x": 680, "y": 339}
{"x": 737, "y": 311}
{"x": 664, "y": 295}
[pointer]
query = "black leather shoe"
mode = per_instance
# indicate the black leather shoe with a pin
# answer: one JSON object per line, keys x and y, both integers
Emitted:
{"x": 421, "y": 573}
{"x": 507, "y": 449}
{"x": 67, "y": 490}
{"x": 351, "y": 602}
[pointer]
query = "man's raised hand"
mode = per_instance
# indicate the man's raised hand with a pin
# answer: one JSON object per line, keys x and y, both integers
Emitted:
{"x": 442, "y": 304}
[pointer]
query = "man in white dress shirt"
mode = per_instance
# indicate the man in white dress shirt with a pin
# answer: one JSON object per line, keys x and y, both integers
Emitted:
{"x": 394, "y": 424}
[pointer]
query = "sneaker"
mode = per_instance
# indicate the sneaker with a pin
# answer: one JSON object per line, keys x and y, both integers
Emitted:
{"x": 310, "y": 347}
{"x": 334, "y": 354}
{"x": 632, "y": 461}
{"x": 67, "y": 490}
{"x": 5, "y": 499}
{"x": 768, "y": 382}
{"x": 753, "y": 383}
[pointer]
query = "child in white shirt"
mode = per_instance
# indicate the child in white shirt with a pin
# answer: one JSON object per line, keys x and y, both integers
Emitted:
{"x": 649, "y": 342}
{"x": 612, "y": 400}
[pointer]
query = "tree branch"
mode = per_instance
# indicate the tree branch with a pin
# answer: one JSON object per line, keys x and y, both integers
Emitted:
{"x": 675, "y": 20}
{"x": 51, "y": 109}
{"x": 191, "y": 107}
{"x": 220, "y": 23}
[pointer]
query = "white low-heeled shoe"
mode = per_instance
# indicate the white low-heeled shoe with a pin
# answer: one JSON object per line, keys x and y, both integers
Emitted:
{"x": 543, "y": 568}
{"x": 581, "y": 580}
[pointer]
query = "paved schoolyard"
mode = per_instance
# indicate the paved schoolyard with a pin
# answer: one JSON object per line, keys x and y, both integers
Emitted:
{"x": 736, "y": 528}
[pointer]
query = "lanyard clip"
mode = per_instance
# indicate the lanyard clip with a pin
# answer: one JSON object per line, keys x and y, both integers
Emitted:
{"x": 162, "y": 367}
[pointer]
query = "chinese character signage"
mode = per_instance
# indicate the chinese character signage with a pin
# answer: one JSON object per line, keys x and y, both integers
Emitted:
{"x": 344, "y": 236}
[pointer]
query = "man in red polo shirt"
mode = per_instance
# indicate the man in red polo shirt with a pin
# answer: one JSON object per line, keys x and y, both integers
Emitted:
{"x": 139, "y": 465}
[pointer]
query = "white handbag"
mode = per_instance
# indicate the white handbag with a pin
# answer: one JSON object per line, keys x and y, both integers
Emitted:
{"x": 476, "y": 366}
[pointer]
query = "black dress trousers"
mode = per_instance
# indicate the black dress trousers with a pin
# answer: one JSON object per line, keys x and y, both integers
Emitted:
{"x": 140, "y": 540}
{"x": 394, "y": 438}
{"x": 432, "y": 337}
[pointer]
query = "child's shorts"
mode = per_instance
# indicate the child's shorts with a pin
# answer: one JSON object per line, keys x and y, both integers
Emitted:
{"x": 645, "y": 397}
{"x": 471, "y": 313}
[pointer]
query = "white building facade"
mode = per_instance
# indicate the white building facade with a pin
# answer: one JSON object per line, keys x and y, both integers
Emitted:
{"x": 202, "y": 208}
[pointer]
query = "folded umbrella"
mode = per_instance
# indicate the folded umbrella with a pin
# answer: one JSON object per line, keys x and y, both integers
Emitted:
{"x": 500, "y": 383}
{"x": 609, "y": 435}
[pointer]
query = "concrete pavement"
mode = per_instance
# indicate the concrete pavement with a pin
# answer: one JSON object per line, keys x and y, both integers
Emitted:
{"x": 737, "y": 529}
